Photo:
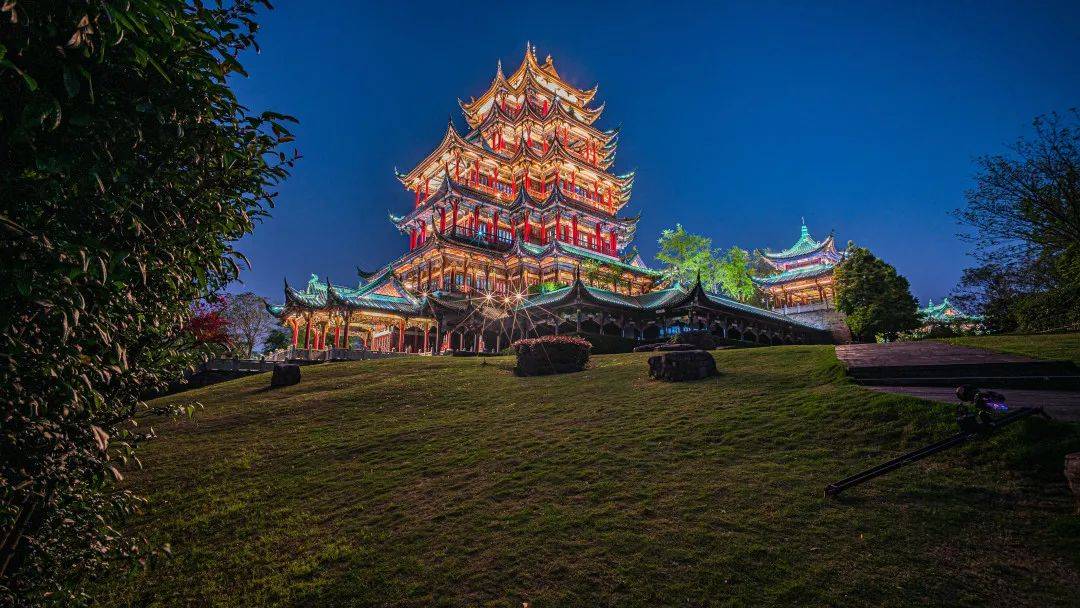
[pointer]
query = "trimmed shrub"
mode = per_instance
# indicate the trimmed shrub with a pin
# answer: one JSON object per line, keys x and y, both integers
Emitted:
{"x": 551, "y": 355}
{"x": 698, "y": 337}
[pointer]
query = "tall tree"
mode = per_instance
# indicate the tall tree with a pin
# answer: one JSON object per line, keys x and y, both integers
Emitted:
{"x": 687, "y": 256}
{"x": 248, "y": 321}
{"x": 876, "y": 300}
{"x": 733, "y": 273}
{"x": 1024, "y": 211}
{"x": 1023, "y": 218}
{"x": 127, "y": 171}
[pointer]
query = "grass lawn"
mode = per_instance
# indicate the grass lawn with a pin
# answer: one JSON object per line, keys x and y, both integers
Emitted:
{"x": 449, "y": 481}
{"x": 1043, "y": 346}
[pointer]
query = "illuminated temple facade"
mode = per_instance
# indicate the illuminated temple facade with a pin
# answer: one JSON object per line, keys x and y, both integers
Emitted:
{"x": 516, "y": 228}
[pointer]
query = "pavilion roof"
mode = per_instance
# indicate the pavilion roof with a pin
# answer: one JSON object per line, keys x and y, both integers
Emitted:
{"x": 802, "y": 272}
{"x": 382, "y": 293}
{"x": 672, "y": 297}
{"x": 804, "y": 246}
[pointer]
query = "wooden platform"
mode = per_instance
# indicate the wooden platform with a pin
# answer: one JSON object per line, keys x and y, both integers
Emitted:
{"x": 937, "y": 364}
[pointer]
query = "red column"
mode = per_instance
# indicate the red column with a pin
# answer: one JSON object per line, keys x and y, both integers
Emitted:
{"x": 573, "y": 221}
{"x": 401, "y": 337}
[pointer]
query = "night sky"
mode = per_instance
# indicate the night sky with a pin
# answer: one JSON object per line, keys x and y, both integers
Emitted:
{"x": 864, "y": 118}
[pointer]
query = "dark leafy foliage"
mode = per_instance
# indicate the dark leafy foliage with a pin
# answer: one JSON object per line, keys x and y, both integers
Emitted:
{"x": 699, "y": 338}
{"x": 1023, "y": 218}
{"x": 551, "y": 355}
{"x": 208, "y": 324}
{"x": 127, "y": 167}
{"x": 1051, "y": 310}
{"x": 276, "y": 339}
{"x": 876, "y": 300}
{"x": 604, "y": 344}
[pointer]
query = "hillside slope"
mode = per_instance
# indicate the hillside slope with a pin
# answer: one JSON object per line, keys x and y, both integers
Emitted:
{"x": 449, "y": 481}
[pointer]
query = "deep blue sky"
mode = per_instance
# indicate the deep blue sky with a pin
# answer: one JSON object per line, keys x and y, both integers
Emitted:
{"x": 740, "y": 118}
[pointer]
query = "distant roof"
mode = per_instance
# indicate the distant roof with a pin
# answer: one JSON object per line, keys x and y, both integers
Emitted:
{"x": 804, "y": 246}
{"x": 945, "y": 312}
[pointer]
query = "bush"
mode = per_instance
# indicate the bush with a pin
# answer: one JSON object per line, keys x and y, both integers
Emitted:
{"x": 128, "y": 170}
{"x": 698, "y": 337}
{"x": 606, "y": 344}
{"x": 551, "y": 355}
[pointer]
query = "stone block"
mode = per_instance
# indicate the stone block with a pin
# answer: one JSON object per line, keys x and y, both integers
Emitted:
{"x": 683, "y": 365}
{"x": 285, "y": 374}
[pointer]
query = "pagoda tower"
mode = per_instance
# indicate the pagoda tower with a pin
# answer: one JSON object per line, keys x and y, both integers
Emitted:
{"x": 526, "y": 197}
{"x": 515, "y": 230}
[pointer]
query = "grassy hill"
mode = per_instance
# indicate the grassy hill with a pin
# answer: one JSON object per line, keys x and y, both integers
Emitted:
{"x": 449, "y": 481}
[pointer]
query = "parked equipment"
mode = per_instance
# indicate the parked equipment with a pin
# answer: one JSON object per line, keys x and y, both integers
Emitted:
{"x": 980, "y": 414}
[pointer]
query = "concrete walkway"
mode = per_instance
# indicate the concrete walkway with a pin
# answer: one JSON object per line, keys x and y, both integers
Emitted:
{"x": 902, "y": 354}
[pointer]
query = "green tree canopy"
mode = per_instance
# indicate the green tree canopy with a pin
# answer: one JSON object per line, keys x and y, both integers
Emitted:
{"x": 876, "y": 300}
{"x": 734, "y": 275}
{"x": 276, "y": 339}
{"x": 127, "y": 170}
{"x": 686, "y": 256}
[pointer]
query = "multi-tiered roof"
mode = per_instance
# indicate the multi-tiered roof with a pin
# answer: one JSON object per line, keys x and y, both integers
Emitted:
{"x": 806, "y": 259}
{"x": 532, "y": 148}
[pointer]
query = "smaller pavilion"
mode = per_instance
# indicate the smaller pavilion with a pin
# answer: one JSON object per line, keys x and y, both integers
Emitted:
{"x": 805, "y": 273}
{"x": 946, "y": 314}
{"x": 378, "y": 314}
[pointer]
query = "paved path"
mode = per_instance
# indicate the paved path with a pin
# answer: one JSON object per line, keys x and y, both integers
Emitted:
{"x": 1060, "y": 405}
{"x": 895, "y": 354}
